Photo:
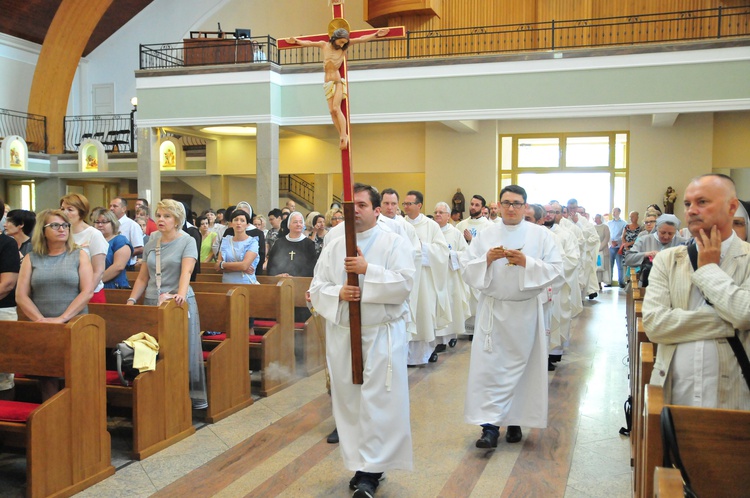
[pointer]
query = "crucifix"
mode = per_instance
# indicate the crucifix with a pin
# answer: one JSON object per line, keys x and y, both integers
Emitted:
{"x": 291, "y": 255}
{"x": 334, "y": 45}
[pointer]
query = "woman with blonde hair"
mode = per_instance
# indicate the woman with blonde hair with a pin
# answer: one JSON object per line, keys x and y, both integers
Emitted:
{"x": 56, "y": 280}
{"x": 334, "y": 216}
{"x": 88, "y": 238}
{"x": 174, "y": 253}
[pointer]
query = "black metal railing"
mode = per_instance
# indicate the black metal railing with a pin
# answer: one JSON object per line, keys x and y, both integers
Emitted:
{"x": 115, "y": 131}
{"x": 669, "y": 27}
{"x": 32, "y": 127}
{"x": 295, "y": 185}
{"x": 189, "y": 142}
{"x": 208, "y": 52}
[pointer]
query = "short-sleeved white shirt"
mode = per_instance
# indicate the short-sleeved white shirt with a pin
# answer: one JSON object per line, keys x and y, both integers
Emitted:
{"x": 133, "y": 232}
{"x": 93, "y": 242}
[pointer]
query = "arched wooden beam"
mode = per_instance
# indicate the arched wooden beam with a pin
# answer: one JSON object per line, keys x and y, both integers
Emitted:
{"x": 63, "y": 46}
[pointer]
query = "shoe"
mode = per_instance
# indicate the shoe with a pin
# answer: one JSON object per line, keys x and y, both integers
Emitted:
{"x": 200, "y": 404}
{"x": 513, "y": 434}
{"x": 554, "y": 358}
{"x": 488, "y": 440}
{"x": 622, "y": 286}
{"x": 440, "y": 348}
{"x": 592, "y": 295}
{"x": 333, "y": 437}
{"x": 433, "y": 358}
{"x": 365, "y": 489}
{"x": 550, "y": 368}
{"x": 452, "y": 343}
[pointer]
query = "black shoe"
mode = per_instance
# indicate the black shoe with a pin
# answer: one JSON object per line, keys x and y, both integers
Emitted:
{"x": 488, "y": 440}
{"x": 452, "y": 343}
{"x": 550, "y": 367}
{"x": 622, "y": 286}
{"x": 333, "y": 437}
{"x": 554, "y": 358}
{"x": 592, "y": 295}
{"x": 513, "y": 434}
{"x": 365, "y": 489}
{"x": 440, "y": 348}
{"x": 433, "y": 358}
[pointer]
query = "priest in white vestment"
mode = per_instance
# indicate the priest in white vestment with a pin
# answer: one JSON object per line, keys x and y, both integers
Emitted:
{"x": 603, "y": 269}
{"x": 433, "y": 309}
{"x": 372, "y": 418}
{"x": 458, "y": 291}
{"x": 566, "y": 224}
{"x": 510, "y": 264}
{"x": 589, "y": 284}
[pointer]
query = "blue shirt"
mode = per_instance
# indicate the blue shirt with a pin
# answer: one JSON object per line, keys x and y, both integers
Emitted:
{"x": 615, "y": 229}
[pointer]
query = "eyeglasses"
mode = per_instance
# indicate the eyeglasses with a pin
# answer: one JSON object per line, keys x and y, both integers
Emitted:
{"x": 58, "y": 226}
{"x": 516, "y": 205}
{"x": 407, "y": 204}
{"x": 337, "y": 218}
{"x": 554, "y": 212}
{"x": 102, "y": 222}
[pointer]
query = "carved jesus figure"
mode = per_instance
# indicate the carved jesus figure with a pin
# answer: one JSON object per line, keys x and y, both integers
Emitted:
{"x": 334, "y": 86}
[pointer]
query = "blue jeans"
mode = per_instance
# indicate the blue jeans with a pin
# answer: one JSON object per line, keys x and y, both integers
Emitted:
{"x": 614, "y": 256}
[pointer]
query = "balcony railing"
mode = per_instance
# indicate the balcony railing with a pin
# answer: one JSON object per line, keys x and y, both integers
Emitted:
{"x": 692, "y": 25}
{"x": 297, "y": 186}
{"x": 32, "y": 127}
{"x": 115, "y": 131}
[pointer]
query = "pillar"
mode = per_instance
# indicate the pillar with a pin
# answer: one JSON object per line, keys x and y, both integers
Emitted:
{"x": 267, "y": 167}
{"x": 323, "y": 192}
{"x": 149, "y": 174}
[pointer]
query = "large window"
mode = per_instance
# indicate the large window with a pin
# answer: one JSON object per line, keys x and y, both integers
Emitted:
{"x": 590, "y": 167}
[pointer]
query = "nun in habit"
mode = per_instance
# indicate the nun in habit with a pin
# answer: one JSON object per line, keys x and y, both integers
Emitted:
{"x": 294, "y": 254}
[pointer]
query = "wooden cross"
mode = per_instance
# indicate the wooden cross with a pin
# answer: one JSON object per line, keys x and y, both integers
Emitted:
{"x": 346, "y": 164}
{"x": 291, "y": 255}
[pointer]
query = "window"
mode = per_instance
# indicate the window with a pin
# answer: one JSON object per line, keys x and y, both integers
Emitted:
{"x": 591, "y": 167}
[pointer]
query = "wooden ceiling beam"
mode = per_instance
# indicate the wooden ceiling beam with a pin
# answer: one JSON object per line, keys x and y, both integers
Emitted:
{"x": 74, "y": 22}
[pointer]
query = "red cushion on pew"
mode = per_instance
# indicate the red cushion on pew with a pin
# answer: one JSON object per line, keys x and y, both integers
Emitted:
{"x": 266, "y": 324}
{"x": 217, "y": 337}
{"x": 299, "y": 325}
{"x": 16, "y": 411}
{"x": 112, "y": 378}
{"x": 206, "y": 354}
{"x": 256, "y": 338}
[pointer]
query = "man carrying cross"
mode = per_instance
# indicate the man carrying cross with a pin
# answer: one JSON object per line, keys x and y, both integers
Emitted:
{"x": 372, "y": 418}
{"x": 334, "y": 86}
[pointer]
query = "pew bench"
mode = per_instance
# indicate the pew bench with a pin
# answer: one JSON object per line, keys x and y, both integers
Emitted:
{"x": 643, "y": 376}
{"x": 160, "y": 399}
{"x": 310, "y": 335}
{"x": 227, "y": 362}
{"x": 274, "y": 350}
{"x": 713, "y": 446}
{"x": 67, "y": 444}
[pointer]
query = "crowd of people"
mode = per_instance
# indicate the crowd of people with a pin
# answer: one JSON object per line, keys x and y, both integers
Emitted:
{"x": 513, "y": 276}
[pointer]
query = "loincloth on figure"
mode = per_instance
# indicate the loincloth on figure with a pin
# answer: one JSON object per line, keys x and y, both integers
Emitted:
{"x": 329, "y": 88}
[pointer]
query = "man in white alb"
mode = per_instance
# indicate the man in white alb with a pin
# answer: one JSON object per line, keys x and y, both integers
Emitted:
{"x": 372, "y": 418}
{"x": 510, "y": 263}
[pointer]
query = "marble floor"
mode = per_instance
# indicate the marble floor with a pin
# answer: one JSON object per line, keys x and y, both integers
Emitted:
{"x": 277, "y": 447}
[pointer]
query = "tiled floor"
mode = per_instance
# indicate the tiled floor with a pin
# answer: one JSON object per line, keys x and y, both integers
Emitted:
{"x": 276, "y": 447}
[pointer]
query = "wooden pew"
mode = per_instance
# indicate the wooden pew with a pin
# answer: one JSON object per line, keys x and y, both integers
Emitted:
{"x": 227, "y": 372}
{"x": 643, "y": 376}
{"x": 160, "y": 400}
{"x": 275, "y": 349}
{"x": 714, "y": 449}
{"x": 67, "y": 443}
{"x": 310, "y": 336}
{"x": 667, "y": 483}
{"x": 652, "y": 454}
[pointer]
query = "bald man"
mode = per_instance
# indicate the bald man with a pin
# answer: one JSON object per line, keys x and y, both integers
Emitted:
{"x": 692, "y": 308}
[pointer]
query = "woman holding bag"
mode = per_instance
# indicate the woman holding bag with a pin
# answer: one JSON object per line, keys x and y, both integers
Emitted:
{"x": 173, "y": 254}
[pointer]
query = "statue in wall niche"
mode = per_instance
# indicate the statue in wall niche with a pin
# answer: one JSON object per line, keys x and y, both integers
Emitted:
{"x": 670, "y": 197}
{"x": 459, "y": 202}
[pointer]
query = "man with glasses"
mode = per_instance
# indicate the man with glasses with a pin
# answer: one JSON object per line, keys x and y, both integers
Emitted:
{"x": 511, "y": 264}
{"x": 433, "y": 309}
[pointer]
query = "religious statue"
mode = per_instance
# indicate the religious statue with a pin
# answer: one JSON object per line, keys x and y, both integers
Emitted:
{"x": 459, "y": 202}
{"x": 670, "y": 196}
{"x": 334, "y": 86}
